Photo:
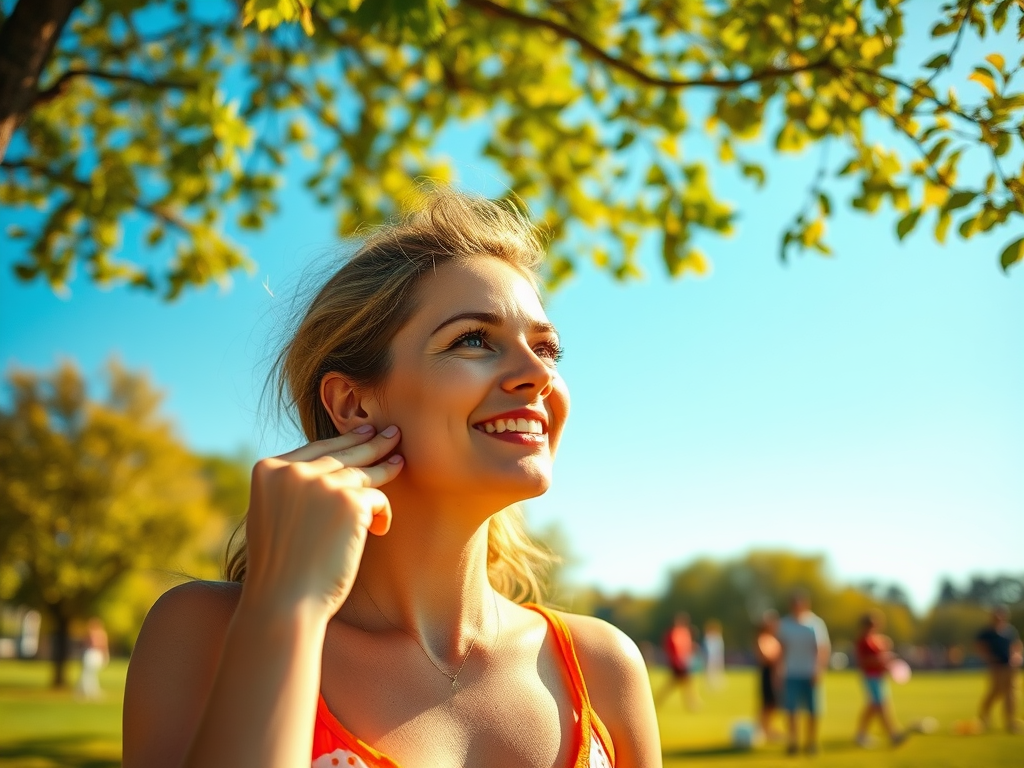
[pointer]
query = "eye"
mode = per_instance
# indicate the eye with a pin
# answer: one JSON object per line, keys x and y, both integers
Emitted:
{"x": 550, "y": 350}
{"x": 475, "y": 339}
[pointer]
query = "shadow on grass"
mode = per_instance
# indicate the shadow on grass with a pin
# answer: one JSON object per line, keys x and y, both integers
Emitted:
{"x": 65, "y": 751}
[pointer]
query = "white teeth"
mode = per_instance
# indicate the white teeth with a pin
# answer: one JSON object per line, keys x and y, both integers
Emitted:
{"x": 526, "y": 426}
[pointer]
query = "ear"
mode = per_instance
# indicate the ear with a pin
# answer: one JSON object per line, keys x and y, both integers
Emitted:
{"x": 343, "y": 403}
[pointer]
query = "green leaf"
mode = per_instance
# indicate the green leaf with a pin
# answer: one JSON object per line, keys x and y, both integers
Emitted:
{"x": 907, "y": 223}
{"x": 938, "y": 62}
{"x": 824, "y": 203}
{"x": 655, "y": 176}
{"x": 1012, "y": 254}
{"x": 755, "y": 172}
{"x": 958, "y": 200}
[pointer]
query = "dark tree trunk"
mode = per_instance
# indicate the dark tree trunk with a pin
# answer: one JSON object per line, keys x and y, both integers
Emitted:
{"x": 26, "y": 42}
{"x": 61, "y": 647}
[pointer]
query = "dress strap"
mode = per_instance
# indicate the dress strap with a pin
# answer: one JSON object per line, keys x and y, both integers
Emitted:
{"x": 589, "y": 720}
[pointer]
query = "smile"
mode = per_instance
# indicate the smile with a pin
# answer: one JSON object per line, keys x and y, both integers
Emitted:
{"x": 521, "y": 425}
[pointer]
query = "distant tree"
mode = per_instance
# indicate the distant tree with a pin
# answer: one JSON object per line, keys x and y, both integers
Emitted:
{"x": 738, "y": 591}
{"x": 961, "y": 612}
{"x": 91, "y": 491}
{"x": 171, "y": 115}
{"x": 953, "y": 624}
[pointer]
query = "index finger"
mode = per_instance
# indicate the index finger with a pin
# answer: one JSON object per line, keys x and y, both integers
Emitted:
{"x": 319, "y": 448}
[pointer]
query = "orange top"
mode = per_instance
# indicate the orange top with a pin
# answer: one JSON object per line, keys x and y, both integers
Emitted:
{"x": 334, "y": 746}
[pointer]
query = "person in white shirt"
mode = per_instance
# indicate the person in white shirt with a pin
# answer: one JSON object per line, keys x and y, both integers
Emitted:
{"x": 805, "y": 653}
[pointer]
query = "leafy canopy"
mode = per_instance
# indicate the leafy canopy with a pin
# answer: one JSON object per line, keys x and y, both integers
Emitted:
{"x": 177, "y": 115}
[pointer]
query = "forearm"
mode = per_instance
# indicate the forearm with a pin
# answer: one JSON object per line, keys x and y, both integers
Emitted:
{"x": 262, "y": 705}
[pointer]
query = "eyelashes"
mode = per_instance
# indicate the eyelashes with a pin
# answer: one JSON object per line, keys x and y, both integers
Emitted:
{"x": 477, "y": 338}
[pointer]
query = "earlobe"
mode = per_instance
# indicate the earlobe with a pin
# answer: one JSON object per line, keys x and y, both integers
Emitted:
{"x": 343, "y": 403}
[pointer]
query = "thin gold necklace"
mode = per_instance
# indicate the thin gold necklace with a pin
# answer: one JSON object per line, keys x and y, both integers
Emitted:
{"x": 454, "y": 678}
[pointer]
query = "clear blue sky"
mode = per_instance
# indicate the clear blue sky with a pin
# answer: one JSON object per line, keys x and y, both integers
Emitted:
{"x": 867, "y": 407}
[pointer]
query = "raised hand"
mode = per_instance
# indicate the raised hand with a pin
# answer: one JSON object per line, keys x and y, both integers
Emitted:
{"x": 309, "y": 513}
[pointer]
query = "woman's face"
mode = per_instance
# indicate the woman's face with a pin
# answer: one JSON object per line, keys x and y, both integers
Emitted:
{"x": 474, "y": 386}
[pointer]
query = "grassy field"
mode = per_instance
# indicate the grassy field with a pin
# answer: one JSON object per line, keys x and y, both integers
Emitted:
{"x": 40, "y": 728}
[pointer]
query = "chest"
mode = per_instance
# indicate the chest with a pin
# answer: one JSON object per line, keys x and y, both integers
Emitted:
{"x": 507, "y": 709}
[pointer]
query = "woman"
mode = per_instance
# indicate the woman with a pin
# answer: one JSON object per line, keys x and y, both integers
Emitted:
{"x": 424, "y": 375}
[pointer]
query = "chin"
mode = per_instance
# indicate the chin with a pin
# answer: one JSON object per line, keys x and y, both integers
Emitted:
{"x": 531, "y": 482}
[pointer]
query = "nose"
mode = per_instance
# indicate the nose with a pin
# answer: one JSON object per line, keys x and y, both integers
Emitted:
{"x": 527, "y": 372}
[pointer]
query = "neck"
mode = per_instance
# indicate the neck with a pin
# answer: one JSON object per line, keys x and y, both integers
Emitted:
{"x": 428, "y": 578}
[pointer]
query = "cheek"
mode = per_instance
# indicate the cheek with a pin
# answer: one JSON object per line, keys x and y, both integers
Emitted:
{"x": 431, "y": 410}
{"x": 558, "y": 411}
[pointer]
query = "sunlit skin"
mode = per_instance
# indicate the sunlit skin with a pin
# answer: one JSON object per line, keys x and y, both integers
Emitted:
{"x": 367, "y": 577}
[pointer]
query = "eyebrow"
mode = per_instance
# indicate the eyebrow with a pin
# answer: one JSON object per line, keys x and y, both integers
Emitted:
{"x": 491, "y": 319}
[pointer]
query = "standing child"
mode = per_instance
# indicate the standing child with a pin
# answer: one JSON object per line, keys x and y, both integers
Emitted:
{"x": 874, "y": 652}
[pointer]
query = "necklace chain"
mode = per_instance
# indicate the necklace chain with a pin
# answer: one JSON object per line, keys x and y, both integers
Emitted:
{"x": 454, "y": 678}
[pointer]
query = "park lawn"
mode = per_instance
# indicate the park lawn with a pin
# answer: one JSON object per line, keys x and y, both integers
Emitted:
{"x": 43, "y": 728}
{"x": 702, "y": 738}
{"x": 40, "y": 728}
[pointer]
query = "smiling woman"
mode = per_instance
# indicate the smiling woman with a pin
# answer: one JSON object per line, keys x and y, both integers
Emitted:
{"x": 424, "y": 373}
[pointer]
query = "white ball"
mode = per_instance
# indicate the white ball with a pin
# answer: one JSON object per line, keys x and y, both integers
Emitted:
{"x": 744, "y": 735}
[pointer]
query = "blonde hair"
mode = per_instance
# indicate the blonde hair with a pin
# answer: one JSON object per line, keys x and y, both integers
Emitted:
{"x": 350, "y": 324}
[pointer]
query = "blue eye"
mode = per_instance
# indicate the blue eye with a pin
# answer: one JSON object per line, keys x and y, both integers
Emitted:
{"x": 476, "y": 339}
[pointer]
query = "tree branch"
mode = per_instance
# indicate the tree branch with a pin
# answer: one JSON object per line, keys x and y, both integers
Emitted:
{"x": 64, "y": 81}
{"x": 595, "y": 51}
{"x": 27, "y": 38}
{"x": 964, "y": 14}
{"x": 153, "y": 209}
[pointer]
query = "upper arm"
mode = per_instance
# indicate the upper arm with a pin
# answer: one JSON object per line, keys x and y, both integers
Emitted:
{"x": 172, "y": 670}
{"x": 619, "y": 688}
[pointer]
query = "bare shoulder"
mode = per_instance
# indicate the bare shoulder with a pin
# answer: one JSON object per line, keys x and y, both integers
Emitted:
{"x": 603, "y": 648}
{"x": 201, "y": 600}
{"x": 187, "y": 623}
{"x": 620, "y": 690}
{"x": 173, "y": 666}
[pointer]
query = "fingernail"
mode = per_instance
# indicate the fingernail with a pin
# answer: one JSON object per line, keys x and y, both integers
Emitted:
{"x": 390, "y": 431}
{"x": 364, "y": 429}
{"x": 396, "y": 459}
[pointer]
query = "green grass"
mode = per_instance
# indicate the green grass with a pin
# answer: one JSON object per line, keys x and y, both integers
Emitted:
{"x": 40, "y": 728}
{"x": 702, "y": 738}
{"x": 43, "y": 728}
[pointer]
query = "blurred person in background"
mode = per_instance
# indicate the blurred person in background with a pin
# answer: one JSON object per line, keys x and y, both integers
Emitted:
{"x": 679, "y": 652}
{"x": 768, "y": 653}
{"x": 714, "y": 653}
{"x": 874, "y": 652}
{"x": 805, "y": 653}
{"x": 1000, "y": 646}
{"x": 95, "y": 656}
